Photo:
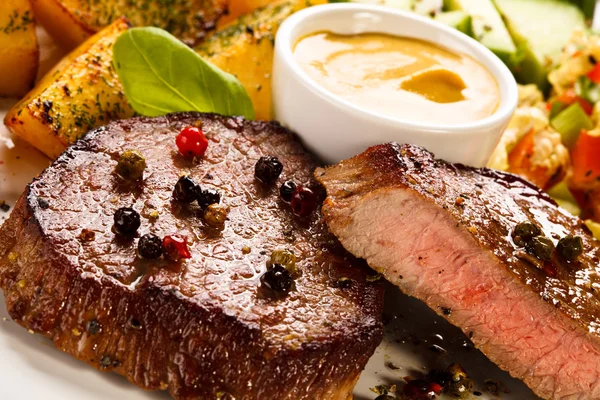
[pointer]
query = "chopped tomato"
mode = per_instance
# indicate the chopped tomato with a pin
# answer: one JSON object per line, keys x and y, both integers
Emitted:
{"x": 594, "y": 74}
{"x": 586, "y": 161}
{"x": 569, "y": 97}
{"x": 519, "y": 161}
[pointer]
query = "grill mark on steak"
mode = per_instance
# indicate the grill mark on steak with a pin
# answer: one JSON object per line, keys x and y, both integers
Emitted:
{"x": 199, "y": 328}
{"x": 442, "y": 233}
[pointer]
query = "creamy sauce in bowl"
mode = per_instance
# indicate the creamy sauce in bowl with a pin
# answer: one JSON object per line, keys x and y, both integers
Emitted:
{"x": 399, "y": 77}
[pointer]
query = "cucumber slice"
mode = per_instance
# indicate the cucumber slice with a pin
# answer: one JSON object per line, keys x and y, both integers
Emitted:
{"x": 456, "y": 19}
{"x": 540, "y": 29}
{"x": 488, "y": 27}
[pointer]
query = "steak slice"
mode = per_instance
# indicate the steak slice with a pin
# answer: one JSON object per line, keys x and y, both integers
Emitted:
{"x": 203, "y": 328}
{"x": 443, "y": 233}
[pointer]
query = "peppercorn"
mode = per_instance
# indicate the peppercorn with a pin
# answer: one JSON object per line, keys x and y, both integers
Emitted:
{"x": 303, "y": 201}
{"x": 191, "y": 142}
{"x": 207, "y": 197}
{"x": 175, "y": 247}
{"x": 185, "y": 190}
{"x": 285, "y": 258}
{"x": 286, "y": 190}
{"x": 439, "y": 376}
{"x": 524, "y": 232}
{"x": 126, "y": 221}
{"x": 385, "y": 397}
{"x": 459, "y": 385}
{"x": 541, "y": 247}
{"x": 278, "y": 279}
{"x": 131, "y": 165}
{"x": 421, "y": 390}
{"x": 150, "y": 246}
{"x": 268, "y": 169}
{"x": 570, "y": 247}
{"x": 215, "y": 215}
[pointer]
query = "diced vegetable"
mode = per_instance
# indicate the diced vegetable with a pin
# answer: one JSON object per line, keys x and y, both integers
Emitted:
{"x": 594, "y": 227}
{"x": 555, "y": 108}
{"x": 585, "y": 161}
{"x": 563, "y": 196}
{"x": 570, "y": 122}
{"x": 569, "y": 97}
{"x": 519, "y": 161}
{"x": 594, "y": 75}
{"x": 587, "y": 90}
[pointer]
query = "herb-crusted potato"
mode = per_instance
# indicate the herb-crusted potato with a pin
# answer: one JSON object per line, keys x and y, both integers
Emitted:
{"x": 82, "y": 92}
{"x": 245, "y": 49}
{"x": 70, "y": 22}
{"x": 18, "y": 48}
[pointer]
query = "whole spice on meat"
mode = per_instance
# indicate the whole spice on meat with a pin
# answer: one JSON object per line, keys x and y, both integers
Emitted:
{"x": 207, "y": 197}
{"x": 278, "y": 279}
{"x": 439, "y": 376}
{"x": 421, "y": 390}
{"x": 185, "y": 190}
{"x": 304, "y": 201}
{"x": 459, "y": 385}
{"x": 215, "y": 215}
{"x": 524, "y": 232}
{"x": 267, "y": 169}
{"x": 192, "y": 142}
{"x": 286, "y": 190}
{"x": 150, "y": 246}
{"x": 175, "y": 247}
{"x": 131, "y": 165}
{"x": 570, "y": 247}
{"x": 541, "y": 247}
{"x": 385, "y": 397}
{"x": 126, "y": 221}
{"x": 285, "y": 258}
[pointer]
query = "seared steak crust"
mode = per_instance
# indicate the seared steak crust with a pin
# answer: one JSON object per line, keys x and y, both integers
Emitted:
{"x": 443, "y": 233}
{"x": 202, "y": 328}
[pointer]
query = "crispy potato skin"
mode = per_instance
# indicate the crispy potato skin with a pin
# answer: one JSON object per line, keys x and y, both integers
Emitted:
{"x": 18, "y": 48}
{"x": 82, "y": 92}
{"x": 245, "y": 49}
{"x": 70, "y": 22}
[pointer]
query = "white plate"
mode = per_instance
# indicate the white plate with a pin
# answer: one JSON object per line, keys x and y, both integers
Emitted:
{"x": 32, "y": 368}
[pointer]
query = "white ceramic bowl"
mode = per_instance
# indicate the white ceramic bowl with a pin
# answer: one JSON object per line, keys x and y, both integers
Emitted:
{"x": 336, "y": 129}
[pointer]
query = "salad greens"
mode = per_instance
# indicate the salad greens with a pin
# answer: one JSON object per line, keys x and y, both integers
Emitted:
{"x": 161, "y": 75}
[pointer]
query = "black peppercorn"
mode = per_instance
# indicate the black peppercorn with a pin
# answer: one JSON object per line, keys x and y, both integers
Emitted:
{"x": 207, "y": 197}
{"x": 150, "y": 246}
{"x": 277, "y": 278}
{"x": 268, "y": 169}
{"x": 570, "y": 247}
{"x": 304, "y": 201}
{"x": 286, "y": 190}
{"x": 185, "y": 190}
{"x": 126, "y": 221}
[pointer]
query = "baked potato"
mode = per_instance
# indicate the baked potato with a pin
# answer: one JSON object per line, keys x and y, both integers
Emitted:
{"x": 245, "y": 49}
{"x": 82, "y": 92}
{"x": 70, "y": 22}
{"x": 18, "y": 48}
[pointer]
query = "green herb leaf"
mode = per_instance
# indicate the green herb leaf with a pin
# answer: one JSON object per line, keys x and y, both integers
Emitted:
{"x": 161, "y": 75}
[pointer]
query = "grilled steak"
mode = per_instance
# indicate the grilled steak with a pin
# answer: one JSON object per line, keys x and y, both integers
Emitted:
{"x": 444, "y": 234}
{"x": 203, "y": 328}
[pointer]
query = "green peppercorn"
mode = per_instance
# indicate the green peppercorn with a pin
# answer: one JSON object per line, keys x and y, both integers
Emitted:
{"x": 570, "y": 247}
{"x": 215, "y": 215}
{"x": 131, "y": 165}
{"x": 541, "y": 247}
{"x": 524, "y": 232}
{"x": 285, "y": 258}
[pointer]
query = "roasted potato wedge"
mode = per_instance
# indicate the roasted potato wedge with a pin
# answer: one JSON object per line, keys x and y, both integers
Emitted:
{"x": 245, "y": 49}
{"x": 70, "y": 22}
{"x": 82, "y": 92}
{"x": 18, "y": 48}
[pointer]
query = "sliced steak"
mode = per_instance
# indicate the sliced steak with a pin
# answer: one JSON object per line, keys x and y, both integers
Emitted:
{"x": 203, "y": 328}
{"x": 444, "y": 234}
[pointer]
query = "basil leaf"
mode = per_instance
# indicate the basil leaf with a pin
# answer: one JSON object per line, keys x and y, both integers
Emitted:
{"x": 161, "y": 75}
